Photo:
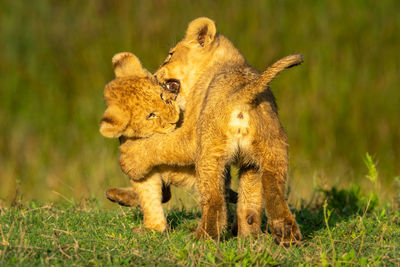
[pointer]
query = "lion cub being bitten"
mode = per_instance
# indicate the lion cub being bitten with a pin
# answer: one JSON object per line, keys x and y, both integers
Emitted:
{"x": 230, "y": 116}
{"x": 137, "y": 107}
{"x": 136, "y": 110}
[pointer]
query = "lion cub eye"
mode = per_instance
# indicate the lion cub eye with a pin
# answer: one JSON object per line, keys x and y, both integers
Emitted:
{"x": 168, "y": 57}
{"x": 151, "y": 116}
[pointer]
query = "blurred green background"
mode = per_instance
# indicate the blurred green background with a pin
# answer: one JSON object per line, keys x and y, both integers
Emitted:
{"x": 55, "y": 58}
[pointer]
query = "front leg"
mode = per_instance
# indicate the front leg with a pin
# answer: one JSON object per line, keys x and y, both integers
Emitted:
{"x": 149, "y": 192}
{"x": 138, "y": 157}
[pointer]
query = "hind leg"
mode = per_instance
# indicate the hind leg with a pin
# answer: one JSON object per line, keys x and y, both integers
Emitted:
{"x": 281, "y": 222}
{"x": 210, "y": 184}
{"x": 123, "y": 196}
{"x": 128, "y": 197}
{"x": 250, "y": 203}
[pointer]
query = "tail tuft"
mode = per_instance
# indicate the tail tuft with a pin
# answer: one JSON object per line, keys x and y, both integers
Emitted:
{"x": 297, "y": 60}
{"x": 259, "y": 84}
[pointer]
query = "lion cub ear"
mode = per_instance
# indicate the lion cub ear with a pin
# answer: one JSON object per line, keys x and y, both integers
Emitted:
{"x": 114, "y": 122}
{"x": 201, "y": 30}
{"x": 127, "y": 64}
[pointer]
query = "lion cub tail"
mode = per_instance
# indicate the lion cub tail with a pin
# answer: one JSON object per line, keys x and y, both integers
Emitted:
{"x": 259, "y": 84}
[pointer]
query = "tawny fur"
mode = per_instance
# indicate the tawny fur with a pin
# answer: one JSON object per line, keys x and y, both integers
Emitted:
{"x": 131, "y": 98}
{"x": 136, "y": 110}
{"x": 134, "y": 106}
{"x": 219, "y": 128}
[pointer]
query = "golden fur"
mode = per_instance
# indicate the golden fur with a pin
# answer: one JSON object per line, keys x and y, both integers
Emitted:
{"x": 131, "y": 97}
{"x": 136, "y": 110}
{"x": 134, "y": 106}
{"x": 230, "y": 116}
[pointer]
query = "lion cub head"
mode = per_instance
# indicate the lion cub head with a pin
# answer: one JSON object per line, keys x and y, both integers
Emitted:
{"x": 192, "y": 56}
{"x": 137, "y": 106}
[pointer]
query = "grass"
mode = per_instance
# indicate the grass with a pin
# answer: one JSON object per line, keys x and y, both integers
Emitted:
{"x": 340, "y": 228}
{"x": 343, "y": 101}
{"x": 55, "y": 61}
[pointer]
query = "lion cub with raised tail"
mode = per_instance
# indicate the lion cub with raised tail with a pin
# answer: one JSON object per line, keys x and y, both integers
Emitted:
{"x": 230, "y": 116}
{"x": 138, "y": 107}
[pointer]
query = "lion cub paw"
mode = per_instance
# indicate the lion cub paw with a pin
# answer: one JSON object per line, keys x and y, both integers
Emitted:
{"x": 212, "y": 228}
{"x": 201, "y": 233}
{"x": 133, "y": 166}
{"x": 159, "y": 226}
{"x": 248, "y": 224}
{"x": 285, "y": 232}
{"x": 123, "y": 196}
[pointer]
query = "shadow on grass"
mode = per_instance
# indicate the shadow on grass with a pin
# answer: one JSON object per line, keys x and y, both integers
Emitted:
{"x": 342, "y": 204}
{"x": 183, "y": 219}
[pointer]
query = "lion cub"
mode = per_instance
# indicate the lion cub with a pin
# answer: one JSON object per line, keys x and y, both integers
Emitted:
{"x": 230, "y": 116}
{"x": 138, "y": 107}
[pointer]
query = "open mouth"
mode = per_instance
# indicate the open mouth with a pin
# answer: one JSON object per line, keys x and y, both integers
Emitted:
{"x": 172, "y": 85}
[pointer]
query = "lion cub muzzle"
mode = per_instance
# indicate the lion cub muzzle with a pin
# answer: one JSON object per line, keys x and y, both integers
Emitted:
{"x": 171, "y": 90}
{"x": 173, "y": 86}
